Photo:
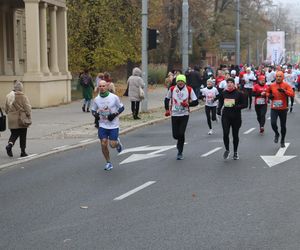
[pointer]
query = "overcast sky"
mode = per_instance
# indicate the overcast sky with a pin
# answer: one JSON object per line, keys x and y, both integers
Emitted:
{"x": 292, "y": 5}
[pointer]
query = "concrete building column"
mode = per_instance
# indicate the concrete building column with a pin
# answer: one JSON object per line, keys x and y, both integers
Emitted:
{"x": 32, "y": 37}
{"x": 53, "y": 42}
{"x": 2, "y": 49}
{"x": 62, "y": 40}
{"x": 4, "y": 40}
{"x": 43, "y": 37}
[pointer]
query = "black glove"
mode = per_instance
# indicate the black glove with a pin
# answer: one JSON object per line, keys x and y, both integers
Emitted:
{"x": 95, "y": 114}
{"x": 281, "y": 90}
{"x": 112, "y": 116}
{"x": 271, "y": 97}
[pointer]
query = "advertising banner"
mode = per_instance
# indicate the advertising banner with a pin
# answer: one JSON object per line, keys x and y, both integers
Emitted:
{"x": 275, "y": 47}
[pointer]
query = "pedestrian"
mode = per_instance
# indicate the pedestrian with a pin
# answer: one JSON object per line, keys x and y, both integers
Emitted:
{"x": 87, "y": 85}
{"x": 18, "y": 110}
{"x": 182, "y": 97}
{"x": 194, "y": 80}
{"x": 135, "y": 83}
{"x": 168, "y": 80}
{"x": 261, "y": 102}
{"x": 109, "y": 82}
{"x": 107, "y": 106}
{"x": 211, "y": 95}
{"x": 232, "y": 101}
{"x": 278, "y": 93}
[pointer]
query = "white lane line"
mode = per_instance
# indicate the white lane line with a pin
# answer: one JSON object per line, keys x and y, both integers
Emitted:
{"x": 60, "y": 147}
{"x": 123, "y": 196}
{"x": 211, "y": 151}
{"x": 87, "y": 140}
{"x": 249, "y": 131}
{"x": 26, "y": 157}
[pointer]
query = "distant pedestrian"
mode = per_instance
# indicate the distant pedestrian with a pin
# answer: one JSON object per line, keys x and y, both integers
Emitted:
{"x": 135, "y": 83}
{"x": 107, "y": 106}
{"x": 182, "y": 97}
{"x": 109, "y": 82}
{"x": 194, "y": 80}
{"x": 87, "y": 85}
{"x": 18, "y": 111}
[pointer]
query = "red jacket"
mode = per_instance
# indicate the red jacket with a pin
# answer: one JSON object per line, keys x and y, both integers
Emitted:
{"x": 280, "y": 100}
{"x": 257, "y": 90}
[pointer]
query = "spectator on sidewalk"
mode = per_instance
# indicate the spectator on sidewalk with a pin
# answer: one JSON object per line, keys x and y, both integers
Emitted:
{"x": 135, "y": 82}
{"x": 194, "y": 80}
{"x": 107, "y": 106}
{"x": 87, "y": 85}
{"x": 17, "y": 104}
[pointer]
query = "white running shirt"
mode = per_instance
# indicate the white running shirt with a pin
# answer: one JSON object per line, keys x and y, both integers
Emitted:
{"x": 210, "y": 95}
{"x": 105, "y": 106}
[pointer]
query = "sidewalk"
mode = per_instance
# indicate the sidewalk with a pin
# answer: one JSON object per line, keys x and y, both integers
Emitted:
{"x": 60, "y": 128}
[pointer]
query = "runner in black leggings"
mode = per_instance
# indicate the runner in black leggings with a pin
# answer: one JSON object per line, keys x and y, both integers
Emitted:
{"x": 259, "y": 91}
{"x": 233, "y": 101}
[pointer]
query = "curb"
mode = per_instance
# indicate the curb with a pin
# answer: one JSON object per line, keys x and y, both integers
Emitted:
{"x": 82, "y": 144}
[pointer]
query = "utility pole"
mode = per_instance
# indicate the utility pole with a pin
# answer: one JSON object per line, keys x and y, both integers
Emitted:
{"x": 237, "y": 34}
{"x": 145, "y": 53}
{"x": 185, "y": 35}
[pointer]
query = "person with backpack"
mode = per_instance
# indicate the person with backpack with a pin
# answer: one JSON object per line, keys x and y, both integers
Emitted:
{"x": 181, "y": 97}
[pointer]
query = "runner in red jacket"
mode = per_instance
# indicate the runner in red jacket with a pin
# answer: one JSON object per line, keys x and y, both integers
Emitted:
{"x": 260, "y": 101}
{"x": 278, "y": 93}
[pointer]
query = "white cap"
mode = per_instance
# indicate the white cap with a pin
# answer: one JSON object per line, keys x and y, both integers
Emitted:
{"x": 233, "y": 72}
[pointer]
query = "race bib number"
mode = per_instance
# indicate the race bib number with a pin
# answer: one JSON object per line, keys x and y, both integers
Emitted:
{"x": 229, "y": 103}
{"x": 260, "y": 101}
{"x": 277, "y": 104}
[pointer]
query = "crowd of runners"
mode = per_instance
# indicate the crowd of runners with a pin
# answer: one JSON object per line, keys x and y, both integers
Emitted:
{"x": 227, "y": 93}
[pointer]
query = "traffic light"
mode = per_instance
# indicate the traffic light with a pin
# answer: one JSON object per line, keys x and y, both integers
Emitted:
{"x": 152, "y": 38}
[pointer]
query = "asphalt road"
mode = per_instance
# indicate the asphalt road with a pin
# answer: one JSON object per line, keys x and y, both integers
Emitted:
{"x": 67, "y": 200}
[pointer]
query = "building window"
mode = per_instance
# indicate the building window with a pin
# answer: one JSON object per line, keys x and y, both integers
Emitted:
{"x": 9, "y": 36}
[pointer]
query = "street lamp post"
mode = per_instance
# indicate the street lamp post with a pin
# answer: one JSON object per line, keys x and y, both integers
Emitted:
{"x": 237, "y": 34}
{"x": 145, "y": 53}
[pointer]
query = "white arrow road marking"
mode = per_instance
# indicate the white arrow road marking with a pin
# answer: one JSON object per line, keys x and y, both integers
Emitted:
{"x": 139, "y": 157}
{"x": 249, "y": 131}
{"x": 211, "y": 151}
{"x": 273, "y": 160}
{"x": 123, "y": 196}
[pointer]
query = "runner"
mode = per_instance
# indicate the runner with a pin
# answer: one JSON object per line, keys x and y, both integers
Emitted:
{"x": 210, "y": 94}
{"x": 233, "y": 101}
{"x": 259, "y": 91}
{"x": 278, "y": 93}
{"x": 291, "y": 78}
{"x": 249, "y": 78}
{"x": 182, "y": 97}
{"x": 108, "y": 106}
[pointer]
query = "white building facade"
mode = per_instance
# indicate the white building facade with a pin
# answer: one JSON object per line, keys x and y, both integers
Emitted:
{"x": 33, "y": 49}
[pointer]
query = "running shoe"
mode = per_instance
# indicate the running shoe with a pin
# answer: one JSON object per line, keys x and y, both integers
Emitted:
{"x": 291, "y": 109}
{"x": 119, "y": 147}
{"x": 235, "y": 156}
{"x": 226, "y": 154}
{"x": 108, "y": 166}
{"x": 179, "y": 156}
{"x": 261, "y": 130}
{"x": 276, "y": 138}
{"x": 210, "y": 132}
{"x": 282, "y": 144}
